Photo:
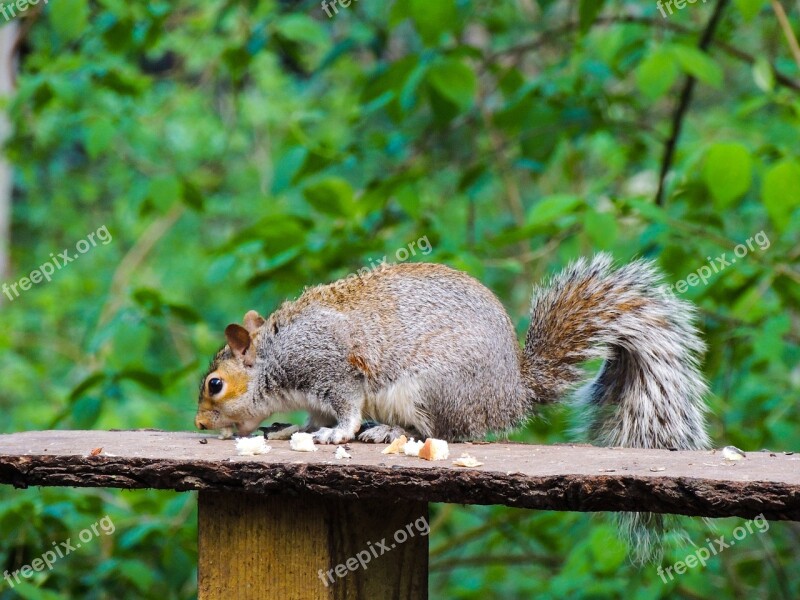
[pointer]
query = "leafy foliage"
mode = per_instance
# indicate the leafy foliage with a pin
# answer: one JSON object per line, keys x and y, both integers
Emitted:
{"x": 238, "y": 151}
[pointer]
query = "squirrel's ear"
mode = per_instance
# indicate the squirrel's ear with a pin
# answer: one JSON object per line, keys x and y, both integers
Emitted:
{"x": 238, "y": 339}
{"x": 253, "y": 320}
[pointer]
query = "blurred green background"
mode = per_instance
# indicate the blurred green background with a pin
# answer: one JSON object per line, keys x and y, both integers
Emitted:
{"x": 239, "y": 151}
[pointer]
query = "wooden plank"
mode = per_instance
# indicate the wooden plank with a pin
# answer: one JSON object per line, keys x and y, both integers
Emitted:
{"x": 576, "y": 478}
{"x": 310, "y": 548}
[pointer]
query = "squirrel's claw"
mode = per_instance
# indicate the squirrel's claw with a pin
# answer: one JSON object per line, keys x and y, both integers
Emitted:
{"x": 326, "y": 435}
{"x": 382, "y": 434}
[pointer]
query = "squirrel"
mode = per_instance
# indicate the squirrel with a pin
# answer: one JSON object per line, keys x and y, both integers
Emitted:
{"x": 426, "y": 350}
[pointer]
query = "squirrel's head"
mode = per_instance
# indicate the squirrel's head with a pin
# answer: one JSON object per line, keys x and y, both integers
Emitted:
{"x": 223, "y": 391}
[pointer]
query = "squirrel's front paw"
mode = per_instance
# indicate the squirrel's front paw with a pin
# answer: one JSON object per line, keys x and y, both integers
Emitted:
{"x": 326, "y": 435}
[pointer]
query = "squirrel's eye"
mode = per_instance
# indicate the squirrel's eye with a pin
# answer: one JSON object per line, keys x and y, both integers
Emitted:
{"x": 215, "y": 385}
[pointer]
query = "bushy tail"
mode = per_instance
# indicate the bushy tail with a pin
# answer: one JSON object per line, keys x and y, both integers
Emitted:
{"x": 649, "y": 391}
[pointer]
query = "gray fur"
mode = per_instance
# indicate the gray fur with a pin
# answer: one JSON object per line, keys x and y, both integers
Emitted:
{"x": 649, "y": 391}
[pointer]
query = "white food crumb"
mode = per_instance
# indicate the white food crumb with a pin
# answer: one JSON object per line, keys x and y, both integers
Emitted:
{"x": 252, "y": 446}
{"x": 732, "y": 453}
{"x": 302, "y": 442}
{"x": 434, "y": 449}
{"x": 412, "y": 448}
{"x": 341, "y": 453}
{"x": 396, "y": 447}
{"x": 465, "y": 460}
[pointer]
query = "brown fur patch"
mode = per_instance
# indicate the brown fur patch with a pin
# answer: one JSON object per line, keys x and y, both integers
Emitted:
{"x": 366, "y": 290}
{"x": 360, "y": 363}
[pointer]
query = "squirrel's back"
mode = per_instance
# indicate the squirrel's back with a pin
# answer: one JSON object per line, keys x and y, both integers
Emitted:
{"x": 432, "y": 335}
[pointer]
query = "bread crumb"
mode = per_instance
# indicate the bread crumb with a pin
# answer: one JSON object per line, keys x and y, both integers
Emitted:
{"x": 302, "y": 442}
{"x": 412, "y": 448}
{"x": 465, "y": 460}
{"x": 341, "y": 453}
{"x": 434, "y": 449}
{"x": 396, "y": 447}
{"x": 250, "y": 446}
{"x": 732, "y": 453}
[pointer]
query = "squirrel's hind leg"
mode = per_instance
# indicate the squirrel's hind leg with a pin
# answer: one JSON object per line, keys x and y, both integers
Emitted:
{"x": 316, "y": 420}
{"x": 384, "y": 434}
{"x": 283, "y": 434}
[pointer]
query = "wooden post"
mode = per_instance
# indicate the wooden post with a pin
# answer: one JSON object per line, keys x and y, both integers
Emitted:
{"x": 311, "y": 547}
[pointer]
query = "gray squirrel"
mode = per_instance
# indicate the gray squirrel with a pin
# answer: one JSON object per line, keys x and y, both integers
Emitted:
{"x": 426, "y": 350}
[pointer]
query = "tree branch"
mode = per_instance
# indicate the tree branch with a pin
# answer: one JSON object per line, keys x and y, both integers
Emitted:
{"x": 728, "y": 49}
{"x": 685, "y": 100}
{"x": 787, "y": 30}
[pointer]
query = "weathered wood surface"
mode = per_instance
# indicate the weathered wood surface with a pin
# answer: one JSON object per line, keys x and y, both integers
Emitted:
{"x": 575, "y": 478}
{"x": 312, "y": 548}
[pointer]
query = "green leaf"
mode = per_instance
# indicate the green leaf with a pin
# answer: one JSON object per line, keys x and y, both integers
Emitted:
{"x": 607, "y": 550}
{"x": 727, "y": 172}
{"x": 656, "y": 73}
{"x": 545, "y": 122}
{"x": 454, "y": 80}
{"x": 698, "y": 64}
{"x": 28, "y": 591}
{"x": 601, "y": 227}
{"x": 408, "y": 199}
{"x": 98, "y": 137}
{"x": 780, "y": 191}
{"x": 275, "y": 263}
{"x": 123, "y": 83}
{"x": 750, "y": 306}
{"x": 185, "y": 313}
{"x": 332, "y": 195}
{"x": 770, "y": 344}
{"x": 298, "y": 27}
{"x": 192, "y": 196}
{"x": 143, "y": 378}
{"x": 763, "y": 74}
{"x": 149, "y": 299}
{"x": 164, "y": 190}
{"x": 587, "y": 13}
{"x": 138, "y": 573}
{"x": 133, "y": 536}
{"x": 408, "y": 92}
{"x": 648, "y": 210}
{"x": 749, "y": 8}
{"x": 86, "y": 411}
{"x": 549, "y": 209}
{"x": 433, "y": 18}
{"x": 69, "y": 18}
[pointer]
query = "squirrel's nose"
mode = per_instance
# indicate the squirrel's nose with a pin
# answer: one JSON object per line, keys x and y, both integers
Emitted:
{"x": 199, "y": 424}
